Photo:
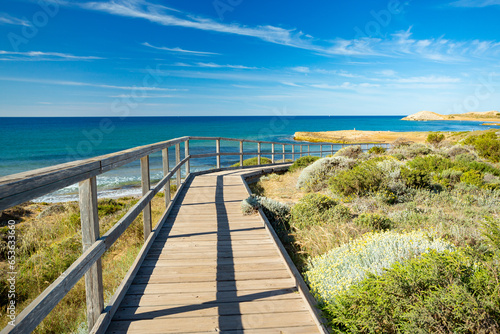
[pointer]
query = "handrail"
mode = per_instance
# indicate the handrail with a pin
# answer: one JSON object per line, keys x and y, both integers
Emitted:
{"x": 21, "y": 187}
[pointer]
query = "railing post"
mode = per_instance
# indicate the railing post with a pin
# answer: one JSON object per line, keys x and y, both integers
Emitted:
{"x": 284, "y": 151}
{"x": 273, "y": 151}
{"x": 308, "y": 149}
{"x": 186, "y": 154}
{"x": 178, "y": 161}
{"x": 146, "y": 186}
{"x": 90, "y": 233}
{"x": 217, "y": 147}
{"x": 241, "y": 153}
{"x": 293, "y": 152}
{"x": 301, "y": 150}
{"x": 166, "y": 170}
{"x": 258, "y": 154}
{"x": 331, "y": 149}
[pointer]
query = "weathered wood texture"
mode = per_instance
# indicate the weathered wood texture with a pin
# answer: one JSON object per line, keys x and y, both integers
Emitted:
{"x": 90, "y": 234}
{"x": 212, "y": 269}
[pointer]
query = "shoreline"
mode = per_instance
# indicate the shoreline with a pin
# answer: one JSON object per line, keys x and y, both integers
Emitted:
{"x": 376, "y": 137}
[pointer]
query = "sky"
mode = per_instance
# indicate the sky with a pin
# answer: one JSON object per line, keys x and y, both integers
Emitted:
{"x": 248, "y": 57}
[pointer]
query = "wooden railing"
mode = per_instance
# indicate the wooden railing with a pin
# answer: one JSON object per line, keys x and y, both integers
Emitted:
{"x": 19, "y": 188}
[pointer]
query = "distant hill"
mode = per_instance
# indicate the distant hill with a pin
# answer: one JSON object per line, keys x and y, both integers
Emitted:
{"x": 488, "y": 116}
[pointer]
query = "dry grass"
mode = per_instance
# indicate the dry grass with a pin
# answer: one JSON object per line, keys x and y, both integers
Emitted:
{"x": 45, "y": 227}
{"x": 280, "y": 187}
{"x": 356, "y": 136}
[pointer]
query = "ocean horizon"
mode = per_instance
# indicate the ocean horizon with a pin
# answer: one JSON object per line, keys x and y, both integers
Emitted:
{"x": 37, "y": 142}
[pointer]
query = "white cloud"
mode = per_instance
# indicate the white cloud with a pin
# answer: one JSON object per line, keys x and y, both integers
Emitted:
{"x": 387, "y": 73}
{"x": 475, "y": 3}
{"x": 179, "y": 50}
{"x": 399, "y": 45}
{"x": 39, "y": 56}
{"x": 213, "y": 65}
{"x": 429, "y": 79}
{"x": 290, "y": 84}
{"x": 345, "y": 85}
{"x": 301, "y": 69}
{"x": 85, "y": 84}
{"x": 8, "y": 19}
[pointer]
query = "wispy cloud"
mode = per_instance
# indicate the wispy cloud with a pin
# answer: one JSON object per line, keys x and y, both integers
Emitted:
{"x": 301, "y": 69}
{"x": 42, "y": 56}
{"x": 213, "y": 65}
{"x": 345, "y": 85}
{"x": 399, "y": 45}
{"x": 475, "y": 3}
{"x": 429, "y": 79}
{"x": 127, "y": 96}
{"x": 8, "y": 19}
{"x": 179, "y": 50}
{"x": 86, "y": 84}
{"x": 290, "y": 84}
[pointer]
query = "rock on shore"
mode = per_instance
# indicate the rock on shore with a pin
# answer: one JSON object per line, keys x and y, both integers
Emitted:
{"x": 424, "y": 116}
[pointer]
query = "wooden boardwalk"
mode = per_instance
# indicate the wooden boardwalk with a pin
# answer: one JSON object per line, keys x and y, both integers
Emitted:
{"x": 211, "y": 269}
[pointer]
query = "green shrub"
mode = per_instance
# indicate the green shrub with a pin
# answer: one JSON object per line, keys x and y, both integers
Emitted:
{"x": 253, "y": 162}
{"x": 448, "y": 178}
{"x": 303, "y": 162}
{"x": 435, "y": 138}
{"x": 312, "y": 209}
{"x": 410, "y": 151}
{"x": 479, "y": 166}
{"x": 374, "y": 221}
{"x": 108, "y": 206}
{"x": 315, "y": 176}
{"x": 416, "y": 179}
{"x": 465, "y": 158}
{"x": 377, "y": 150}
{"x": 472, "y": 177}
{"x": 430, "y": 163}
{"x": 332, "y": 273}
{"x": 491, "y": 230}
{"x": 352, "y": 152}
{"x": 341, "y": 213}
{"x": 276, "y": 212}
{"x": 439, "y": 292}
{"x": 386, "y": 195}
{"x": 486, "y": 144}
{"x": 360, "y": 180}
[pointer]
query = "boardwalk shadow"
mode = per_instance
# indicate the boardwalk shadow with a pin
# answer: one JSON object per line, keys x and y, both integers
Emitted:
{"x": 227, "y": 301}
{"x": 236, "y": 323}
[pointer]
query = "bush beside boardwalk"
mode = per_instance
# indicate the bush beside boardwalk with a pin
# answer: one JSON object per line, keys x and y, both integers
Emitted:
{"x": 436, "y": 192}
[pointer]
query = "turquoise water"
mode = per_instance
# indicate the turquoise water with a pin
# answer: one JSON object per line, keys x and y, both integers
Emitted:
{"x": 31, "y": 143}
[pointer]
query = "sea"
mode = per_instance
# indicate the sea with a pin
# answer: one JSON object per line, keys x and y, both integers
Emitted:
{"x": 37, "y": 142}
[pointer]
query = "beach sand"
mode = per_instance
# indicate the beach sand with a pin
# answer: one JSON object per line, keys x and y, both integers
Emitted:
{"x": 356, "y": 136}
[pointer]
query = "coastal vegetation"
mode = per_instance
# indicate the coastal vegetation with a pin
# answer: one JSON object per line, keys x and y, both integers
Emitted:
{"x": 49, "y": 241}
{"x": 405, "y": 240}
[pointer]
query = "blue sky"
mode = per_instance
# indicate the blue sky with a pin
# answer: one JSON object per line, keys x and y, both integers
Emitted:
{"x": 248, "y": 57}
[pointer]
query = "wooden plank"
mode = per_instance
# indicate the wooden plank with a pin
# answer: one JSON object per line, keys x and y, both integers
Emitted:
{"x": 187, "y": 268}
{"x": 158, "y": 261}
{"x": 215, "y": 275}
{"x": 221, "y": 309}
{"x": 215, "y": 323}
{"x": 177, "y": 162}
{"x": 90, "y": 234}
{"x": 146, "y": 187}
{"x": 278, "y": 283}
{"x": 166, "y": 169}
{"x": 212, "y": 297}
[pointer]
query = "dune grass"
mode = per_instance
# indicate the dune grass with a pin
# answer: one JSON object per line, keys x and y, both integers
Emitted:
{"x": 49, "y": 241}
